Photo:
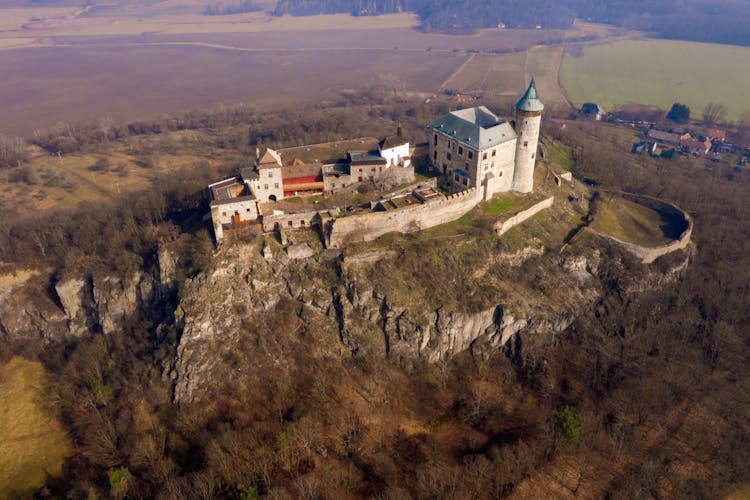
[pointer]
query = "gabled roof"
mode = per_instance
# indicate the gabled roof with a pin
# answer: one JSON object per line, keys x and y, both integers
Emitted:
{"x": 478, "y": 128}
{"x": 270, "y": 159}
{"x": 393, "y": 141}
{"x": 530, "y": 101}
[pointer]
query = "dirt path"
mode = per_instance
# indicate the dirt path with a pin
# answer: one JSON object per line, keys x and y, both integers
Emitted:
{"x": 455, "y": 73}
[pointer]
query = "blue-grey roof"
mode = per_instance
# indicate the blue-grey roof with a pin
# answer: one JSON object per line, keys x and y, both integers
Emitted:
{"x": 478, "y": 128}
{"x": 530, "y": 101}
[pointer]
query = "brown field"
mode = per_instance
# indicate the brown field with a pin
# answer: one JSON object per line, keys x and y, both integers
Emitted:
{"x": 498, "y": 75}
{"x": 135, "y": 61}
{"x": 49, "y": 85}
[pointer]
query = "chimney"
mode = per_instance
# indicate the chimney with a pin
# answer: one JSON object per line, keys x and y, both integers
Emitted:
{"x": 398, "y": 131}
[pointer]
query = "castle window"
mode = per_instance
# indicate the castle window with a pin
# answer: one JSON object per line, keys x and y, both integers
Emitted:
{"x": 460, "y": 150}
{"x": 223, "y": 214}
{"x": 359, "y": 179}
{"x": 449, "y": 144}
{"x": 449, "y": 155}
{"x": 466, "y": 181}
{"x": 270, "y": 174}
{"x": 471, "y": 155}
{"x": 494, "y": 152}
{"x": 500, "y": 174}
{"x": 276, "y": 185}
{"x": 435, "y": 139}
{"x": 533, "y": 155}
{"x": 484, "y": 156}
{"x": 247, "y": 210}
{"x": 434, "y": 156}
{"x": 265, "y": 186}
{"x": 525, "y": 144}
{"x": 291, "y": 223}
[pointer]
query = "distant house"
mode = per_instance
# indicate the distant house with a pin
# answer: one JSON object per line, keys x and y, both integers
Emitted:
{"x": 716, "y": 134}
{"x": 644, "y": 147}
{"x": 695, "y": 146}
{"x": 665, "y": 137}
{"x": 594, "y": 111}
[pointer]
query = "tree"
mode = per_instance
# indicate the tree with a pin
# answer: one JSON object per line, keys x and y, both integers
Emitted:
{"x": 714, "y": 113}
{"x": 679, "y": 113}
{"x": 12, "y": 151}
{"x": 743, "y": 129}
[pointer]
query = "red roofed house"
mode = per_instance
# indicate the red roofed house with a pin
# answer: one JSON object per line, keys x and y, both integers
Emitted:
{"x": 695, "y": 146}
{"x": 715, "y": 133}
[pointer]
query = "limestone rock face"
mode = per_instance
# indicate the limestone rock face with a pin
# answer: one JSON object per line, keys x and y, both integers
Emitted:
{"x": 84, "y": 305}
{"x": 221, "y": 308}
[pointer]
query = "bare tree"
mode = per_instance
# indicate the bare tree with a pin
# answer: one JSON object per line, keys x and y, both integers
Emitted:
{"x": 12, "y": 151}
{"x": 714, "y": 113}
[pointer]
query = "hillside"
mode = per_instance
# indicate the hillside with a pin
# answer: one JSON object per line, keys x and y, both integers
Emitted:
{"x": 446, "y": 363}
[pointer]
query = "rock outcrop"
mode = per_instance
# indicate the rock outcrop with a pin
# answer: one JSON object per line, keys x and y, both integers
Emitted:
{"x": 83, "y": 305}
{"x": 247, "y": 289}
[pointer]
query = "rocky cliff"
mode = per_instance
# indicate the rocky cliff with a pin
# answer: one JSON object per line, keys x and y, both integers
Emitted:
{"x": 259, "y": 301}
{"x": 252, "y": 291}
{"x": 60, "y": 308}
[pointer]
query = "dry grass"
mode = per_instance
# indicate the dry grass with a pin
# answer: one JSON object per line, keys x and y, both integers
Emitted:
{"x": 12, "y": 280}
{"x": 631, "y": 222}
{"x": 543, "y": 64}
{"x": 495, "y": 74}
{"x": 32, "y": 442}
{"x": 70, "y": 181}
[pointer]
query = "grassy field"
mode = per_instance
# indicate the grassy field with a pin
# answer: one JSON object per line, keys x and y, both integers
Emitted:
{"x": 660, "y": 72}
{"x": 634, "y": 223}
{"x": 32, "y": 443}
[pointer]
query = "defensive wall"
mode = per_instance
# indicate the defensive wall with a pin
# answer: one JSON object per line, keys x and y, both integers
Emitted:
{"x": 302, "y": 220}
{"x": 367, "y": 227}
{"x": 503, "y": 227}
{"x": 647, "y": 255}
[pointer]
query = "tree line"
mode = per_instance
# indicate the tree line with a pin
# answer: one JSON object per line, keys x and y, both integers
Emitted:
{"x": 699, "y": 20}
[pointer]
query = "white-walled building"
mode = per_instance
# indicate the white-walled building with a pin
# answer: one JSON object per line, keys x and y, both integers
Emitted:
{"x": 475, "y": 148}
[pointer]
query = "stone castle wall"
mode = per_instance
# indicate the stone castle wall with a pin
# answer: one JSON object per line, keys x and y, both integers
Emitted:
{"x": 503, "y": 227}
{"x": 367, "y": 227}
{"x": 302, "y": 220}
{"x": 647, "y": 255}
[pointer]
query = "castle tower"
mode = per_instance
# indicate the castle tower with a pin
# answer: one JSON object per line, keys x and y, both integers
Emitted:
{"x": 528, "y": 122}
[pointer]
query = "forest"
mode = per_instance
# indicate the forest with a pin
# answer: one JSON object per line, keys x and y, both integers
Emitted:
{"x": 667, "y": 363}
{"x": 698, "y": 20}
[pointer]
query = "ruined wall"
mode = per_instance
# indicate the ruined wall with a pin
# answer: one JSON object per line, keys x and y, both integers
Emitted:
{"x": 503, "y": 227}
{"x": 647, "y": 255}
{"x": 302, "y": 220}
{"x": 369, "y": 226}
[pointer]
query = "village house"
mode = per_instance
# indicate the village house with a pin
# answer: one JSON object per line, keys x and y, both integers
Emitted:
{"x": 695, "y": 146}
{"x": 670, "y": 138}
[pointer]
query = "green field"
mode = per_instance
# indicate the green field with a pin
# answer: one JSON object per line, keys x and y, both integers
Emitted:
{"x": 660, "y": 72}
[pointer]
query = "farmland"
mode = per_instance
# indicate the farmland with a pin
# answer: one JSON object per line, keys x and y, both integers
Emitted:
{"x": 82, "y": 64}
{"x": 660, "y": 72}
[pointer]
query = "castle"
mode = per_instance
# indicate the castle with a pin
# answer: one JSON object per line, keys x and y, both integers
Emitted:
{"x": 474, "y": 148}
{"x": 476, "y": 153}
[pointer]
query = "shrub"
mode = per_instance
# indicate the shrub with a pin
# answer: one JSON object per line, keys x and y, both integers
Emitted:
{"x": 119, "y": 479}
{"x": 569, "y": 424}
{"x": 102, "y": 392}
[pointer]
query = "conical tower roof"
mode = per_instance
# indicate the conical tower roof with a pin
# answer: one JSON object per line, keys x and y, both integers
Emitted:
{"x": 530, "y": 101}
